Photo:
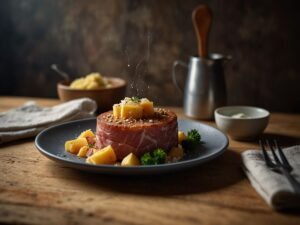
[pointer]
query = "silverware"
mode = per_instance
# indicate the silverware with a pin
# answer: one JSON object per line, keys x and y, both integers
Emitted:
{"x": 280, "y": 163}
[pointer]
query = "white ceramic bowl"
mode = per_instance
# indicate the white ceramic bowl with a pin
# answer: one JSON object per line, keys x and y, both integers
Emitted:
{"x": 242, "y": 122}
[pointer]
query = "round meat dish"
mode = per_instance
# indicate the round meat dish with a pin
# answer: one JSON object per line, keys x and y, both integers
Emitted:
{"x": 137, "y": 136}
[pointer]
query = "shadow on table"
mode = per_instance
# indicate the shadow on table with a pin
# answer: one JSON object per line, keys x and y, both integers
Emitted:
{"x": 216, "y": 174}
{"x": 16, "y": 142}
{"x": 283, "y": 140}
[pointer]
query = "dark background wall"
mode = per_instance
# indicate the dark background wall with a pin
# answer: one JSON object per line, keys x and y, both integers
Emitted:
{"x": 84, "y": 36}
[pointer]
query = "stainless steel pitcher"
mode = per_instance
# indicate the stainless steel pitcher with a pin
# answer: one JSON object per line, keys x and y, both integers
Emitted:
{"x": 205, "y": 88}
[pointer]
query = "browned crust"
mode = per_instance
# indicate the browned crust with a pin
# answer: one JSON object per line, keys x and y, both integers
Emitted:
{"x": 161, "y": 117}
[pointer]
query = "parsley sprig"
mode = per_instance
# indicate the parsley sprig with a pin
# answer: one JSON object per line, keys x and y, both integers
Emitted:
{"x": 135, "y": 99}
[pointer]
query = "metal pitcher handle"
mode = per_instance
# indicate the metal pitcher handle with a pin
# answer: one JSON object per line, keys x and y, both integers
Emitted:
{"x": 175, "y": 64}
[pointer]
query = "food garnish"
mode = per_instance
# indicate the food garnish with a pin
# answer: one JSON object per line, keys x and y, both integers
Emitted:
{"x": 82, "y": 148}
{"x": 133, "y": 108}
{"x": 158, "y": 156}
{"x": 135, "y": 99}
{"x": 192, "y": 140}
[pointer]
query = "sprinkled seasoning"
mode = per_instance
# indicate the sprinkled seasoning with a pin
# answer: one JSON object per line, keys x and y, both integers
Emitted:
{"x": 159, "y": 114}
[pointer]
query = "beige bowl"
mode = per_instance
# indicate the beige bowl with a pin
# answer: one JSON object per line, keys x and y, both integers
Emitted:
{"x": 105, "y": 97}
{"x": 242, "y": 122}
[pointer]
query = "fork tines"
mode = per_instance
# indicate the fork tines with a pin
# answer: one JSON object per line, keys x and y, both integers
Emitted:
{"x": 282, "y": 156}
{"x": 280, "y": 160}
{"x": 267, "y": 159}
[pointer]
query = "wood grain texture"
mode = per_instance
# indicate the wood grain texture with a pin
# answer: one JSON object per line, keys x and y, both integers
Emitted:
{"x": 35, "y": 190}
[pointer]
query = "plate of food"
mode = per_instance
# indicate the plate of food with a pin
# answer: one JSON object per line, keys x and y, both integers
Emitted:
{"x": 134, "y": 138}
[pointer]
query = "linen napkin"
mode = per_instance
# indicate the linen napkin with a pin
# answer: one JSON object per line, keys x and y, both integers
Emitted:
{"x": 29, "y": 119}
{"x": 273, "y": 187}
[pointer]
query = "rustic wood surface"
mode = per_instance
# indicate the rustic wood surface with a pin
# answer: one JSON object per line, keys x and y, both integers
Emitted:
{"x": 36, "y": 190}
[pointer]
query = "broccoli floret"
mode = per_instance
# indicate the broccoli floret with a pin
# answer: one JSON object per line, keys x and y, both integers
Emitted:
{"x": 193, "y": 139}
{"x": 147, "y": 159}
{"x": 194, "y": 135}
{"x": 158, "y": 156}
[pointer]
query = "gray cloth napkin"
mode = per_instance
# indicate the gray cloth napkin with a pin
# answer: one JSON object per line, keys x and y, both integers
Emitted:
{"x": 29, "y": 119}
{"x": 273, "y": 187}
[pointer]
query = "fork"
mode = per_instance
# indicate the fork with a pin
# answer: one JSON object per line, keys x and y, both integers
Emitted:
{"x": 280, "y": 163}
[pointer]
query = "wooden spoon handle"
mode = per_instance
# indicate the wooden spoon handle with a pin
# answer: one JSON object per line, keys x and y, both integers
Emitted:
{"x": 202, "y": 18}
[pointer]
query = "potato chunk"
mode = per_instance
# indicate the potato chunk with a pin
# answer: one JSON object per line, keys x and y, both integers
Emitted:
{"x": 130, "y": 160}
{"x": 82, "y": 151}
{"x": 176, "y": 153}
{"x": 87, "y": 133}
{"x": 103, "y": 156}
{"x": 134, "y": 108}
{"x": 131, "y": 111}
{"x": 147, "y": 106}
{"x": 181, "y": 136}
{"x": 74, "y": 146}
{"x": 117, "y": 110}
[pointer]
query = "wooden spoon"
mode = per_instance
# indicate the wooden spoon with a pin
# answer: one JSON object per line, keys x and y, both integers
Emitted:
{"x": 202, "y": 18}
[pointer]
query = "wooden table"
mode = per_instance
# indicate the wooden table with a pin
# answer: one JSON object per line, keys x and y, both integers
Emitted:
{"x": 36, "y": 190}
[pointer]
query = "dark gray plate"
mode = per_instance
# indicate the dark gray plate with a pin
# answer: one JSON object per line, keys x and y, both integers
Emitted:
{"x": 50, "y": 142}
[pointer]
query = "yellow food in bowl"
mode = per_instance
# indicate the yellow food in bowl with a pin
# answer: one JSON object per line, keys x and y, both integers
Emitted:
{"x": 92, "y": 81}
